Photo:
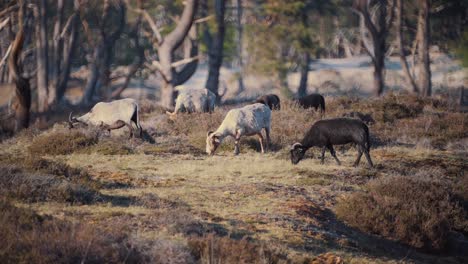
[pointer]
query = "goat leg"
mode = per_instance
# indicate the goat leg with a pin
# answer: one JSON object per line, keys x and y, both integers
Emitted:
{"x": 356, "y": 163}
{"x": 260, "y": 138}
{"x": 323, "y": 155}
{"x": 333, "y": 153}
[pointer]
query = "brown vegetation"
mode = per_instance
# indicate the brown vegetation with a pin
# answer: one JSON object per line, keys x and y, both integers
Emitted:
{"x": 417, "y": 212}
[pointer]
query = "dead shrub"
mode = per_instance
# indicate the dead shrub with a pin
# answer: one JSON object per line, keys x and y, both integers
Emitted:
{"x": 415, "y": 212}
{"x": 214, "y": 249}
{"x": 38, "y": 187}
{"x": 61, "y": 143}
{"x": 30, "y": 238}
{"x": 162, "y": 251}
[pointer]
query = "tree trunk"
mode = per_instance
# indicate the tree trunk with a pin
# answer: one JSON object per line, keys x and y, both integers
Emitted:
{"x": 138, "y": 62}
{"x": 40, "y": 12}
{"x": 103, "y": 51}
{"x": 424, "y": 79}
{"x": 166, "y": 53}
{"x": 56, "y": 51}
{"x": 69, "y": 50}
{"x": 378, "y": 25}
{"x": 23, "y": 90}
{"x": 404, "y": 63}
{"x": 93, "y": 75}
{"x": 239, "y": 36}
{"x": 215, "y": 53}
{"x": 302, "y": 90}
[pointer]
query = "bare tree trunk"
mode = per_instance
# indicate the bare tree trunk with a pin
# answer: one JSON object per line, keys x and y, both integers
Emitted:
{"x": 138, "y": 61}
{"x": 103, "y": 51}
{"x": 56, "y": 51}
{"x": 23, "y": 90}
{"x": 216, "y": 50}
{"x": 399, "y": 34}
{"x": 239, "y": 39}
{"x": 68, "y": 50}
{"x": 93, "y": 74}
{"x": 424, "y": 72}
{"x": 302, "y": 90}
{"x": 166, "y": 53}
{"x": 378, "y": 26}
{"x": 40, "y": 12}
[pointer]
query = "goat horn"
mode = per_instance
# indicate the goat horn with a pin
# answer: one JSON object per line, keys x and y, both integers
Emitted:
{"x": 70, "y": 122}
{"x": 295, "y": 145}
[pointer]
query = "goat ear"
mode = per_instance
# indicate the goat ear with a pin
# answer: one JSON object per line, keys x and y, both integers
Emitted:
{"x": 209, "y": 133}
{"x": 296, "y": 146}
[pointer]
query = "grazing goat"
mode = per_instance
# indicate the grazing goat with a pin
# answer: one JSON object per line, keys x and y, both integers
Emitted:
{"x": 193, "y": 100}
{"x": 112, "y": 115}
{"x": 271, "y": 100}
{"x": 312, "y": 100}
{"x": 246, "y": 121}
{"x": 339, "y": 131}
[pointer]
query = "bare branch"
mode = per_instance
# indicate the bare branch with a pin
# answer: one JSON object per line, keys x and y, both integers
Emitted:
{"x": 185, "y": 61}
{"x": 6, "y": 56}
{"x": 12, "y": 8}
{"x": 4, "y": 23}
{"x": 67, "y": 26}
{"x": 150, "y": 21}
{"x": 201, "y": 20}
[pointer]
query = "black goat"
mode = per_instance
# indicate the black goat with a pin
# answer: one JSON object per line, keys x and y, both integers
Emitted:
{"x": 271, "y": 100}
{"x": 312, "y": 100}
{"x": 339, "y": 131}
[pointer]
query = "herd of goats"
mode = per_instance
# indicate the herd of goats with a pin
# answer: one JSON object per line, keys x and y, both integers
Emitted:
{"x": 249, "y": 120}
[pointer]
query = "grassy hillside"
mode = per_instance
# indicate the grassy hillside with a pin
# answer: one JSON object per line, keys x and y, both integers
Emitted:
{"x": 84, "y": 195}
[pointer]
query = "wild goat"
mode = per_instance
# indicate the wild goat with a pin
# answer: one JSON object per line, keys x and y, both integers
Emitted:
{"x": 193, "y": 100}
{"x": 339, "y": 131}
{"x": 312, "y": 100}
{"x": 271, "y": 100}
{"x": 112, "y": 115}
{"x": 246, "y": 121}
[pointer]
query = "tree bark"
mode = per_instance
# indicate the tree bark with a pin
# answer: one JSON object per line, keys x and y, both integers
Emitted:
{"x": 215, "y": 52}
{"x": 40, "y": 12}
{"x": 23, "y": 90}
{"x": 424, "y": 71}
{"x": 302, "y": 90}
{"x": 404, "y": 63}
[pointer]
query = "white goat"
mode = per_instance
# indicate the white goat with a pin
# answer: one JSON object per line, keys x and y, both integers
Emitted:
{"x": 193, "y": 100}
{"x": 246, "y": 121}
{"x": 112, "y": 115}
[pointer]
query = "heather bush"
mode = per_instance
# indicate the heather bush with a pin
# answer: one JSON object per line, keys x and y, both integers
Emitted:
{"x": 415, "y": 212}
{"x": 61, "y": 142}
{"x": 30, "y": 238}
